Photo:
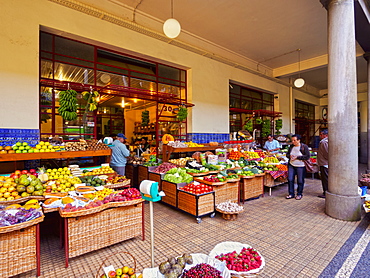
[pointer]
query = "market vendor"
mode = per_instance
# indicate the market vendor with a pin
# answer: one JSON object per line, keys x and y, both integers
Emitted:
{"x": 271, "y": 145}
{"x": 119, "y": 154}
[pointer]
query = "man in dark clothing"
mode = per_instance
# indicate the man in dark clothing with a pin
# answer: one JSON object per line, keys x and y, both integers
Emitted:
{"x": 323, "y": 160}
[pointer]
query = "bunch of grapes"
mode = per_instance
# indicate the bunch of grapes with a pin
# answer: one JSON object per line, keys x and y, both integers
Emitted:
{"x": 22, "y": 215}
{"x": 202, "y": 270}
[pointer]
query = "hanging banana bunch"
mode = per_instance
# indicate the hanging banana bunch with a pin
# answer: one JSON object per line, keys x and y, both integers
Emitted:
{"x": 68, "y": 105}
{"x": 92, "y": 99}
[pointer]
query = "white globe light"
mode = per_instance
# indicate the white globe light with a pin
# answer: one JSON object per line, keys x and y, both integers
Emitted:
{"x": 171, "y": 28}
{"x": 299, "y": 82}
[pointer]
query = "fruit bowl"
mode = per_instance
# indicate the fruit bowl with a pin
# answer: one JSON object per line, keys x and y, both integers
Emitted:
{"x": 228, "y": 247}
{"x": 197, "y": 259}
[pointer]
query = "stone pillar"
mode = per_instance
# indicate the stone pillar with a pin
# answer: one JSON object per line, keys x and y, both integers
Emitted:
{"x": 367, "y": 58}
{"x": 342, "y": 199}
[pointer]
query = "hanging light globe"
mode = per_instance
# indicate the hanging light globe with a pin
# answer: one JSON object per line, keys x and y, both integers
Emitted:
{"x": 299, "y": 82}
{"x": 171, "y": 28}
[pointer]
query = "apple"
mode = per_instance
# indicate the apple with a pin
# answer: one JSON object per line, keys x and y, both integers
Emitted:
{"x": 125, "y": 276}
{"x": 111, "y": 274}
{"x": 133, "y": 276}
{"x": 17, "y": 172}
{"x": 25, "y": 144}
{"x": 18, "y": 144}
{"x": 24, "y": 172}
{"x": 130, "y": 271}
{"x": 103, "y": 276}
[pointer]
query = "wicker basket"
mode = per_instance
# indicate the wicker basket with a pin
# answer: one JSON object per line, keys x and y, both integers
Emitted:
{"x": 196, "y": 205}
{"x": 227, "y": 192}
{"x": 18, "y": 251}
{"x": 198, "y": 174}
{"x": 251, "y": 188}
{"x": 113, "y": 259}
{"x": 99, "y": 208}
{"x": 229, "y": 215}
{"x": 92, "y": 232}
{"x": 16, "y": 227}
{"x": 21, "y": 200}
{"x": 125, "y": 183}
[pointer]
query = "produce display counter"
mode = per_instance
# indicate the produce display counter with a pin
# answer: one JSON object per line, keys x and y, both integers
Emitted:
{"x": 53, "y": 155}
{"x": 197, "y": 205}
{"x": 20, "y": 248}
{"x": 84, "y": 233}
{"x": 168, "y": 150}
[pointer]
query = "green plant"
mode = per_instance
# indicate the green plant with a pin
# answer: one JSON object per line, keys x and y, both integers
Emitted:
{"x": 266, "y": 128}
{"x": 278, "y": 126}
{"x": 182, "y": 114}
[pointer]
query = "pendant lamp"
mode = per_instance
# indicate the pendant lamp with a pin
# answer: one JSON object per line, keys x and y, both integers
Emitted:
{"x": 299, "y": 82}
{"x": 171, "y": 26}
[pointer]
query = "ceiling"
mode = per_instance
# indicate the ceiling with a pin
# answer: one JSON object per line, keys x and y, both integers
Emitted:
{"x": 267, "y": 32}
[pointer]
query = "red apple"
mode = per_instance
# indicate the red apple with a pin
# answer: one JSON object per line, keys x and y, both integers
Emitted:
{"x": 111, "y": 274}
{"x": 32, "y": 171}
{"x": 24, "y": 172}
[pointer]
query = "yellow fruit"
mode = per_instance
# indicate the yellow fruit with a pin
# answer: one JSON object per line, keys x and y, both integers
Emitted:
{"x": 11, "y": 189}
{"x": 6, "y": 194}
{"x": 41, "y": 143}
{"x": 13, "y": 206}
{"x": 2, "y": 199}
{"x": 67, "y": 200}
{"x": 33, "y": 206}
{"x": 11, "y": 198}
{"x": 125, "y": 269}
{"x": 32, "y": 202}
{"x": 15, "y": 194}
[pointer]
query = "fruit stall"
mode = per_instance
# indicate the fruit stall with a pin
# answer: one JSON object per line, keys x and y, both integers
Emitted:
{"x": 98, "y": 206}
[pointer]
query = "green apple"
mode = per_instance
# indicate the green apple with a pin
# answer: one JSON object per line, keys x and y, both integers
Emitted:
{"x": 21, "y": 148}
{"x": 18, "y": 151}
{"x": 36, "y": 151}
{"x": 15, "y": 148}
{"x": 30, "y": 150}
{"x": 27, "y": 147}
{"x": 25, "y": 144}
{"x": 18, "y": 144}
{"x": 24, "y": 151}
{"x": 119, "y": 271}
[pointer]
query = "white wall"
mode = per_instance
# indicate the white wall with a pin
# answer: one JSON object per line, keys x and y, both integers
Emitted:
{"x": 208, "y": 80}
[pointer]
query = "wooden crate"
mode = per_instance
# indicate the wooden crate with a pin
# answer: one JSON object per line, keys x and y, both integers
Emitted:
{"x": 196, "y": 205}
{"x": 251, "y": 187}
{"x": 170, "y": 189}
{"x": 131, "y": 173}
{"x": 227, "y": 192}
{"x": 156, "y": 177}
{"x": 95, "y": 231}
{"x": 142, "y": 173}
{"x": 18, "y": 251}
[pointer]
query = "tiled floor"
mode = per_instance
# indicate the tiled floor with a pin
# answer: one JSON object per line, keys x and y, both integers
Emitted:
{"x": 296, "y": 238}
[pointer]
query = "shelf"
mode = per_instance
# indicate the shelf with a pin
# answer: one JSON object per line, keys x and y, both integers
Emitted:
{"x": 52, "y": 155}
{"x": 168, "y": 150}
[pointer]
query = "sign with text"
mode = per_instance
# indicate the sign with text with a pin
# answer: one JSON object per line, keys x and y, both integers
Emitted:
{"x": 168, "y": 109}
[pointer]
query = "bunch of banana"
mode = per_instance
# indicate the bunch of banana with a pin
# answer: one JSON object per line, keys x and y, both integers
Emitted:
{"x": 68, "y": 105}
{"x": 92, "y": 99}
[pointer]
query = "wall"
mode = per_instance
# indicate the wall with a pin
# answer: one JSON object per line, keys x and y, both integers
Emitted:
{"x": 207, "y": 83}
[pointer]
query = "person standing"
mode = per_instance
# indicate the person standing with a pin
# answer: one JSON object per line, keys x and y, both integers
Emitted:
{"x": 271, "y": 145}
{"x": 297, "y": 153}
{"x": 323, "y": 161}
{"x": 119, "y": 154}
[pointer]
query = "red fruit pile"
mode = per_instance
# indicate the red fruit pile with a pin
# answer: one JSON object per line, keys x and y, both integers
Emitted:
{"x": 214, "y": 178}
{"x": 246, "y": 260}
{"x": 202, "y": 270}
{"x": 197, "y": 188}
{"x": 131, "y": 194}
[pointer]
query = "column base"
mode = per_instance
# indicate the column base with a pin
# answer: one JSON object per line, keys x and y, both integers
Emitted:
{"x": 346, "y": 208}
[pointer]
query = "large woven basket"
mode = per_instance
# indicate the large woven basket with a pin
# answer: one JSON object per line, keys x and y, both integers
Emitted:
{"x": 251, "y": 188}
{"x": 114, "y": 259}
{"x": 22, "y": 200}
{"x": 92, "y": 232}
{"x": 18, "y": 250}
{"x": 227, "y": 192}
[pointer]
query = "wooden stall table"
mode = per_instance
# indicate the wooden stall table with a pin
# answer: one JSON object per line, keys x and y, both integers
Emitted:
{"x": 99, "y": 227}
{"x": 275, "y": 178}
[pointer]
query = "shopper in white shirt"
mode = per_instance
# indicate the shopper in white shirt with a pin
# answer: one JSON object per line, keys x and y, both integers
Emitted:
{"x": 297, "y": 153}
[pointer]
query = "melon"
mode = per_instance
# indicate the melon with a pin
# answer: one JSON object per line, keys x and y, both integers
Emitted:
{"x": 167, "y": 138}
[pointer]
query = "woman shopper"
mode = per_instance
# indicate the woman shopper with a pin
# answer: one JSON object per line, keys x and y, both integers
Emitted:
{"x": 297, "y": 153}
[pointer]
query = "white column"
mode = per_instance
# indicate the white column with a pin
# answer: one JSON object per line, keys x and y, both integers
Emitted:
{"x": 342, "y": 199}
{"x": 367, "y": 58}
